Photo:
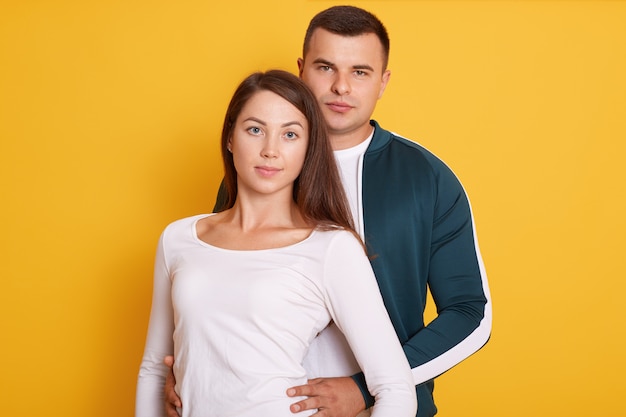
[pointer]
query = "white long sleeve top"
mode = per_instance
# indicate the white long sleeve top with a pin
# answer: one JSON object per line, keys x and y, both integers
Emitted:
{"x": 240, "y": 323}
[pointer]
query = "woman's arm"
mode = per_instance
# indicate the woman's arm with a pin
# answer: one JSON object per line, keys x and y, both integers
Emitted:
{"x": 150, "y": 398}
{"x": 357, "y": 308}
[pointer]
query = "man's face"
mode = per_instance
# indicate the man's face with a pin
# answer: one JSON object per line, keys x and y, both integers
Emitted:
{"x": 346, "y": 75}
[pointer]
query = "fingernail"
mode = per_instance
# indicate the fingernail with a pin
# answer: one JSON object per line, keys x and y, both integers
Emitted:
{"x": 291, "y": 392}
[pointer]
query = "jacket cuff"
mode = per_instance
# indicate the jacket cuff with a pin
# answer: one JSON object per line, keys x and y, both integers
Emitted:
{"x": 360, "y": 382}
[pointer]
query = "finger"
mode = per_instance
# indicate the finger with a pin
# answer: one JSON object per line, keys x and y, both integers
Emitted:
{"x": 172, "y": 401}
{"x": 310, "y": 403}
{"x": 170, "y": 411}
{"x": 168, "y": 361}
{"x": 308, "y": 390}
{"x": 171, "y": 398}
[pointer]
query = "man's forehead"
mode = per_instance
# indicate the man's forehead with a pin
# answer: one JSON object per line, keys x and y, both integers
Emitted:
{"x": 366, "y": 37}
{"x": 360, "y": 51}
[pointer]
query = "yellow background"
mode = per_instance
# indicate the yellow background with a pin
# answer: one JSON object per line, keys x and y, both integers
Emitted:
{"x": 110, "y": 113}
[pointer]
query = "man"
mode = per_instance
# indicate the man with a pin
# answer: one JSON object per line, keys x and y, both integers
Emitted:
{"x": 411, "y": 211}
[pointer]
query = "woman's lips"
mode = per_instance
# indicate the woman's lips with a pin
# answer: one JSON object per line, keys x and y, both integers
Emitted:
{"x": 266, "y": 171}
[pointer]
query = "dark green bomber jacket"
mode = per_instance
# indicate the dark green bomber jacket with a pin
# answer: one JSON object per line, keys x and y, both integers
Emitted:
{"x": 419, "y": 229}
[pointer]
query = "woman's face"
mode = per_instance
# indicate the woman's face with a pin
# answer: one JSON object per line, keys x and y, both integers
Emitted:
{"x": 269, "y": 143}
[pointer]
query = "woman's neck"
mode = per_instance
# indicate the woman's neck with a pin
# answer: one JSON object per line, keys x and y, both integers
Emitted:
{"x": 263, "y": 214}
{"x": 262, "y": 222}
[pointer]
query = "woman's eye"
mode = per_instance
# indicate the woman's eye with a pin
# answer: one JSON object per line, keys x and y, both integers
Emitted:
{"x": 254, "y": 130}
{"x": 291, "y": 135}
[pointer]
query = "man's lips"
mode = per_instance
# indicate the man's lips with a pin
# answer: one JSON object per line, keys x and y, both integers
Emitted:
{"x": 266, "y": 171}
{"x": 339, "y": 106}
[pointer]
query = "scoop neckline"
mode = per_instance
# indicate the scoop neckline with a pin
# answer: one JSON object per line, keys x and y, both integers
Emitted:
{"x": 194, "y": 233}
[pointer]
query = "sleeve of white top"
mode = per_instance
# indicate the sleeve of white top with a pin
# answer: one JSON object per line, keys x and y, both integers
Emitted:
{"x": 357, "y": 308}
{"x": 149, "y": 401}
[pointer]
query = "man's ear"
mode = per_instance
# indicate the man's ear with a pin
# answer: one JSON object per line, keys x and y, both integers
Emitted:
{"x": 383, "y": 82}
{"x": 300, "y": 67}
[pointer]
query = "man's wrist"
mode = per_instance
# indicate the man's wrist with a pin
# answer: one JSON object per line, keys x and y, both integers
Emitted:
{"x": 359, "y": 379}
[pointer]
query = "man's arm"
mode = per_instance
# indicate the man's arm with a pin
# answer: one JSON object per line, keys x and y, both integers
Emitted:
{"x": 458, "y": 284}
{"x": 422, "y": 230}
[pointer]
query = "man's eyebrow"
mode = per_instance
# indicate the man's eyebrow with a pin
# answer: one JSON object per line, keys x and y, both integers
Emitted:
{"x": 363, "y": 67}
{"x": 354, "y": 67}
{"x": 323, "y": 61}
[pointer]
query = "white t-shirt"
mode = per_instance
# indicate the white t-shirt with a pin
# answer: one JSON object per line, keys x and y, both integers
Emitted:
{"x": 349, "y": 162}
{"x": 240, "y": 322}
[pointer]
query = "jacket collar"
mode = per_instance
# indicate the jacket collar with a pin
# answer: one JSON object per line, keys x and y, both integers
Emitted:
{"x": 380, "y": 139}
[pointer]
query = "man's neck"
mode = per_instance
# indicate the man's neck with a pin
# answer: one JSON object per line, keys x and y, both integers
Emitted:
{"x": 343, "y": 141}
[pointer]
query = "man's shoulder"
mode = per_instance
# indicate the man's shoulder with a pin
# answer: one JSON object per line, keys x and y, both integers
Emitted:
{"x": 404, "y": 149}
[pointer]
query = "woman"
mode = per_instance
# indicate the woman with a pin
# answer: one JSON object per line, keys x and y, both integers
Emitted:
{"x": 240, "y": 294}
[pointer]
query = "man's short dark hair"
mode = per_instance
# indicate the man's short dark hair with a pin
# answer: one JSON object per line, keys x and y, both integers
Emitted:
{"x": 348, "y": 21}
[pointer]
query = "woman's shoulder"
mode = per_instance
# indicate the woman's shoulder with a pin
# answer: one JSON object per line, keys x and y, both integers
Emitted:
{"x": 337, "y": 236}
{"x": 186, "y": 221}
{"x": 184, "y": 226}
